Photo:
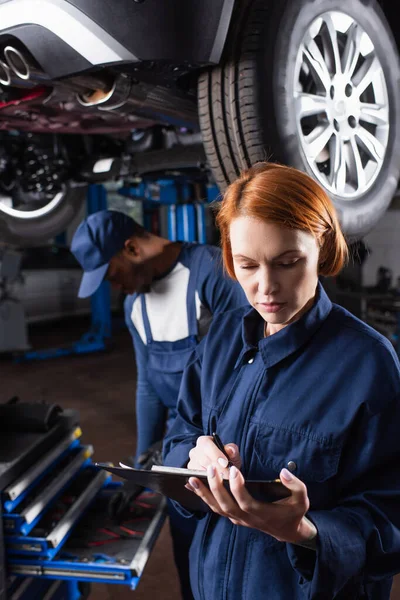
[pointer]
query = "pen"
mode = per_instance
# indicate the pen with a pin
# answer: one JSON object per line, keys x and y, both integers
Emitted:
{"x": 220, "y": 446}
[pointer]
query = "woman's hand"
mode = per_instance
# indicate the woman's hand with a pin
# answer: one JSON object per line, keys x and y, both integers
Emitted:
{"x": 206, "y": 453}
{"x": 284, "y": 519}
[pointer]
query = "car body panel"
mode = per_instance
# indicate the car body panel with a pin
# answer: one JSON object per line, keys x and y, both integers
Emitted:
{"x": 83, "y": 34}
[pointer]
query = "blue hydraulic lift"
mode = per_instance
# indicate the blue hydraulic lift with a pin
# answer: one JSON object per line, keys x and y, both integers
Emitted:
{"x": 186, "y": 218}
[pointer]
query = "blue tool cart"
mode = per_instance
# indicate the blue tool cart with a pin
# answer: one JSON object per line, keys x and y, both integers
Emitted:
{"x": 28, "y": 588}
{"x": 55, "y": 525}
{"x": 60, "y": 531}
{"x": 19, "y": 488}
{"x": 29, "y": 510}
{"x": 102, "y": 549}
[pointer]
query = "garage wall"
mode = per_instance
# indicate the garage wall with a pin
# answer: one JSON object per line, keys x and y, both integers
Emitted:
{"x": 384, "y": 244}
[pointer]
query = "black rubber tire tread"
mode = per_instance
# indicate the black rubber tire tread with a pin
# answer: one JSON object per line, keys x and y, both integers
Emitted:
{"x": 244, "y": 103}
{"x": 215, "y": 160}
{"x": 231, "y": 127}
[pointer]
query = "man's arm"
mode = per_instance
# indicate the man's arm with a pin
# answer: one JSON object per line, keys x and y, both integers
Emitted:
{"x": 150, "y": 411}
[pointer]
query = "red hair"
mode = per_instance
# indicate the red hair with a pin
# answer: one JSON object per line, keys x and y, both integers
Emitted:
{"x": 287, "y": 197}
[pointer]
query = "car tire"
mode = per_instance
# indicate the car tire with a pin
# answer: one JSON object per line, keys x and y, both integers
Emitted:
{"x": 30, "y": 228}
{"x": 250, "y": 105}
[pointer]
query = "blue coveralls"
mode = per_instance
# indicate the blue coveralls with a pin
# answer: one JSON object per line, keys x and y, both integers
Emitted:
{"x": 165, "y": 363}
{"x": 322, "y": 394}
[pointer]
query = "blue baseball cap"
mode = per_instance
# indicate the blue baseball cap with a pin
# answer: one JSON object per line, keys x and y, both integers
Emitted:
{"x": 97, "y": 239}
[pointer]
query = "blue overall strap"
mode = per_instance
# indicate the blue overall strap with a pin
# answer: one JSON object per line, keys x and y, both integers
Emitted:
{"x": 129, "y": 302}
{"x": 146, "y": 322}
{"x": 195, "y": 263}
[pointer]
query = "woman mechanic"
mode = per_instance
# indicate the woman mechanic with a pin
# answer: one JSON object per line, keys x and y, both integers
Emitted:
{"x": 297, "y": 388}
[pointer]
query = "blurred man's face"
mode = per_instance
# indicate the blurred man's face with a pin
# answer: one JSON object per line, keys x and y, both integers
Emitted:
{"x": 130, "y": 272}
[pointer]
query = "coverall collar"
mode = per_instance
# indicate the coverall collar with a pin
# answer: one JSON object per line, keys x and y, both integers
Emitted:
{"x": 278, "y": 346}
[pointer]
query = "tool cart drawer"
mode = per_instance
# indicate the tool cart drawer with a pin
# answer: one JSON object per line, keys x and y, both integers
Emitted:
{"x": 29, "y": 588}
{"x": 55, "y": 525}
{"x": 103, "y": 548}
{"x": 27, "y": 513}
{"x": 18, "y": 489}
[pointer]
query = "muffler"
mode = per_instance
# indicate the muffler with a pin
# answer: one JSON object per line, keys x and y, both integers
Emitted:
{"x": 128, "y": 97}
{"x": 122, "y": 95}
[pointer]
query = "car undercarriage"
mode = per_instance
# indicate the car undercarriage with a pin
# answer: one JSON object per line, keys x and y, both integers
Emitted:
{"x": 94, "y": 91}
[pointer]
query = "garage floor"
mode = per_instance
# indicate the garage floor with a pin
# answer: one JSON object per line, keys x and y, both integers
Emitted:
{"x": 101, "y": 387}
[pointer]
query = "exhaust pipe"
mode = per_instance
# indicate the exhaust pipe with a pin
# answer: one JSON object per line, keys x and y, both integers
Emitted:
{"x": 5, "y": 74}
{"x": 21, "y": 70}
{"x": 127, "y": 97}
{"x": 20, "y": 66}
{"x": 8, "y": 78}
{"x": 123, "y": 95}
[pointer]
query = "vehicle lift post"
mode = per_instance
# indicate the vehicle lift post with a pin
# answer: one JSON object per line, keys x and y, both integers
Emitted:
{"x": 186, "y": 218}
{"x": 100, "y": 331}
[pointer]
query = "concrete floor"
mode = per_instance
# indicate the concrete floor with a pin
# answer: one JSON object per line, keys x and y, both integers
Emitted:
{"x": 101, "y": 387}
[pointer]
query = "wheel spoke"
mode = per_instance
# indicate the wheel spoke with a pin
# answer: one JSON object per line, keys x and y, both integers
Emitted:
{"x": 310, "y": 104}
{"x": 351, "y": 51}
{"x": 357, "y": 173}
{"x": 331, "y": 47}
{"x": 338, "y": 160}
{"x": 317, "y": 140}
{"x": 376, "y": 114}
{"x": 317, "y": 66}
{"x": 366, "y": 74}
{"x": 370, "y": 144}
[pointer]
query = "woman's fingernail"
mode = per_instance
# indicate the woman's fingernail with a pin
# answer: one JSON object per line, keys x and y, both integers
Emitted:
{"x": 194, "y": 484}
{"x": 233, "y": 473}
{"x": 211, "y": 471}
{"x": 286, "y": 475}
{"x": 189, "y": 487}
{"x": 223, "y": 462}
{"x": 231, "y": 450}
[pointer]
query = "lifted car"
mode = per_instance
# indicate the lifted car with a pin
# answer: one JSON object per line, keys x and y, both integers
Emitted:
{"x": 311, "y": 84}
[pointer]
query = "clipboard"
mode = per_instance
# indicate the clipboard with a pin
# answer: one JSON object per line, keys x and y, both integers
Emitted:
{"x": 170, "y": 482}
